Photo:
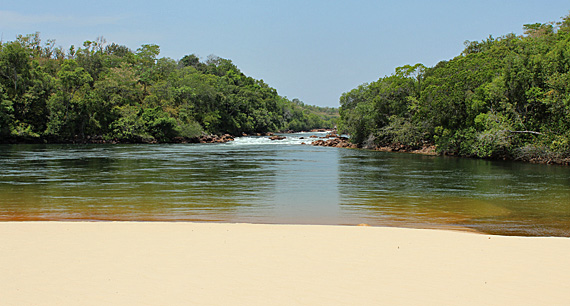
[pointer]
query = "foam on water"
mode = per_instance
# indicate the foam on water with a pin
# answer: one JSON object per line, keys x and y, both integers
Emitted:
{"x": 290, "y": 139}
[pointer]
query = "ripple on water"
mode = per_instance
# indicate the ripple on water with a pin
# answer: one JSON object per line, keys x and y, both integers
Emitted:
{"x": 254, "y": 179}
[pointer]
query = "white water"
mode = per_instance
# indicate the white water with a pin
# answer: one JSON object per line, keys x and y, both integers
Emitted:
{"x": 290, "y": 139}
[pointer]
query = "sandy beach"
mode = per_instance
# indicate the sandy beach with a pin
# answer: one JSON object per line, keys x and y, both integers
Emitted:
{"x": 181, "y": 263}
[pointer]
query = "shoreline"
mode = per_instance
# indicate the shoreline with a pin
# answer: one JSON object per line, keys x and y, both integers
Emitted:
{"x": 431, "y": 150}
{"x": 332, "y": 140}
{"x": 187, "y": 263}
{"x": 438, "y": 222}
{"x": 418, "y": 226}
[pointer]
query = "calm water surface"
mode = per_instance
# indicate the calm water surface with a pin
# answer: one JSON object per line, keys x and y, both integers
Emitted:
{"x": 257, "y": 180}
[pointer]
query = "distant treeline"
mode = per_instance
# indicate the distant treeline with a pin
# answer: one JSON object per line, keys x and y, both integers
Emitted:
{"x": 506, "y": 97}
{"x": 111, "y": 92}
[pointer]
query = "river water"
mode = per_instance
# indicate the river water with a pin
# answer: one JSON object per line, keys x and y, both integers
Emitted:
{"x": 254, "y": 179}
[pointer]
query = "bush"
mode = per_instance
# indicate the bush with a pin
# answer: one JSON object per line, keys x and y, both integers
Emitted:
{"x": 401, "y": 131}
{"x": 159, "y": 125}
{"x": 494, "y": 139}
{"x": 190, "y": 130}
{"x": 537, "y": 153}
{"x": 6, "y": 117}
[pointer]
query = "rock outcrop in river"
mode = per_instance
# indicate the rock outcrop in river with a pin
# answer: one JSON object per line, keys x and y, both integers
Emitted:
{"x": 210, "y": 139}
{"x": 334, "y": 140}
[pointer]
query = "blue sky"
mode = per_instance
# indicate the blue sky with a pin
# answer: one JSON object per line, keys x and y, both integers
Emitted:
{"x": 313, "y": 50}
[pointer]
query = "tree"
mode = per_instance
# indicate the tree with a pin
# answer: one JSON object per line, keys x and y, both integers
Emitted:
{"x": 146, "y": 57}
{"x": 69, "y": 108}
{"x": 15, "y": 64}
{"x": 6, "y": 114}
{"x": 106, "y": 90}
{"x": 192, "y": 60}
{"x": 498, "y": 97}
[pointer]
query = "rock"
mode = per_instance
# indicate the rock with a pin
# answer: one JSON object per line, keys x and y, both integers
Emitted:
{"x": 277, "y": 137}
{"x": 228, "y": 137}
{"x": 211, "y": 139}
{"x": 336, "y": 141}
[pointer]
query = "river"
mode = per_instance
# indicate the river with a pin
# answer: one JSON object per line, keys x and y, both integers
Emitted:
{"x": 254, "y": 179}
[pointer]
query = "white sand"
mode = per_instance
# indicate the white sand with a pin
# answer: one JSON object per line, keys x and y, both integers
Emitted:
{"x": 122, "y": 263}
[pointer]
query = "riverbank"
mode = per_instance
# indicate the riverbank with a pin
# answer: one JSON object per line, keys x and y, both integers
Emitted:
{"x": 179, "y": 263}
{"x": 528, "y": 155}
{"x": 205, "y": 138}
{"x": 334, "y": 140}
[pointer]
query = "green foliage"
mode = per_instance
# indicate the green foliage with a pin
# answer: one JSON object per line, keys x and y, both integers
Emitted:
{"x": 401, "y": 131}
{"x": 359, "y": 122}
{"x": 128, "y": 126}
{"x": 190, "y": 130}
{"x": 497, "y": 97}
{"x": 372, "y": 110}
{"x": 6, "y": 114}
{"x": 494, "y": 138}
{"x": 159, "y": 125}
{"x": 71, "y": 107}
{"x": 302, "y": 117}
{"x": 109, "y": 91}
{"x": 15, "y": 66}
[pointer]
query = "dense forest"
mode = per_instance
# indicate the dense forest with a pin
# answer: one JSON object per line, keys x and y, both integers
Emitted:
{"x": 107, "y": 91}
{"x": 506, "y": 97}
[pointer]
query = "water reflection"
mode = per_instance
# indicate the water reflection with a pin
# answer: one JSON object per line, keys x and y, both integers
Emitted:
{"x": 495, "y": 197}
{"x": 182, "y": 182}
{"x": 256, "y": 180}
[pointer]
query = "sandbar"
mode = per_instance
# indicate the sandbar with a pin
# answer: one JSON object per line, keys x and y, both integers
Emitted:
{"x": 186, "y": 263}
